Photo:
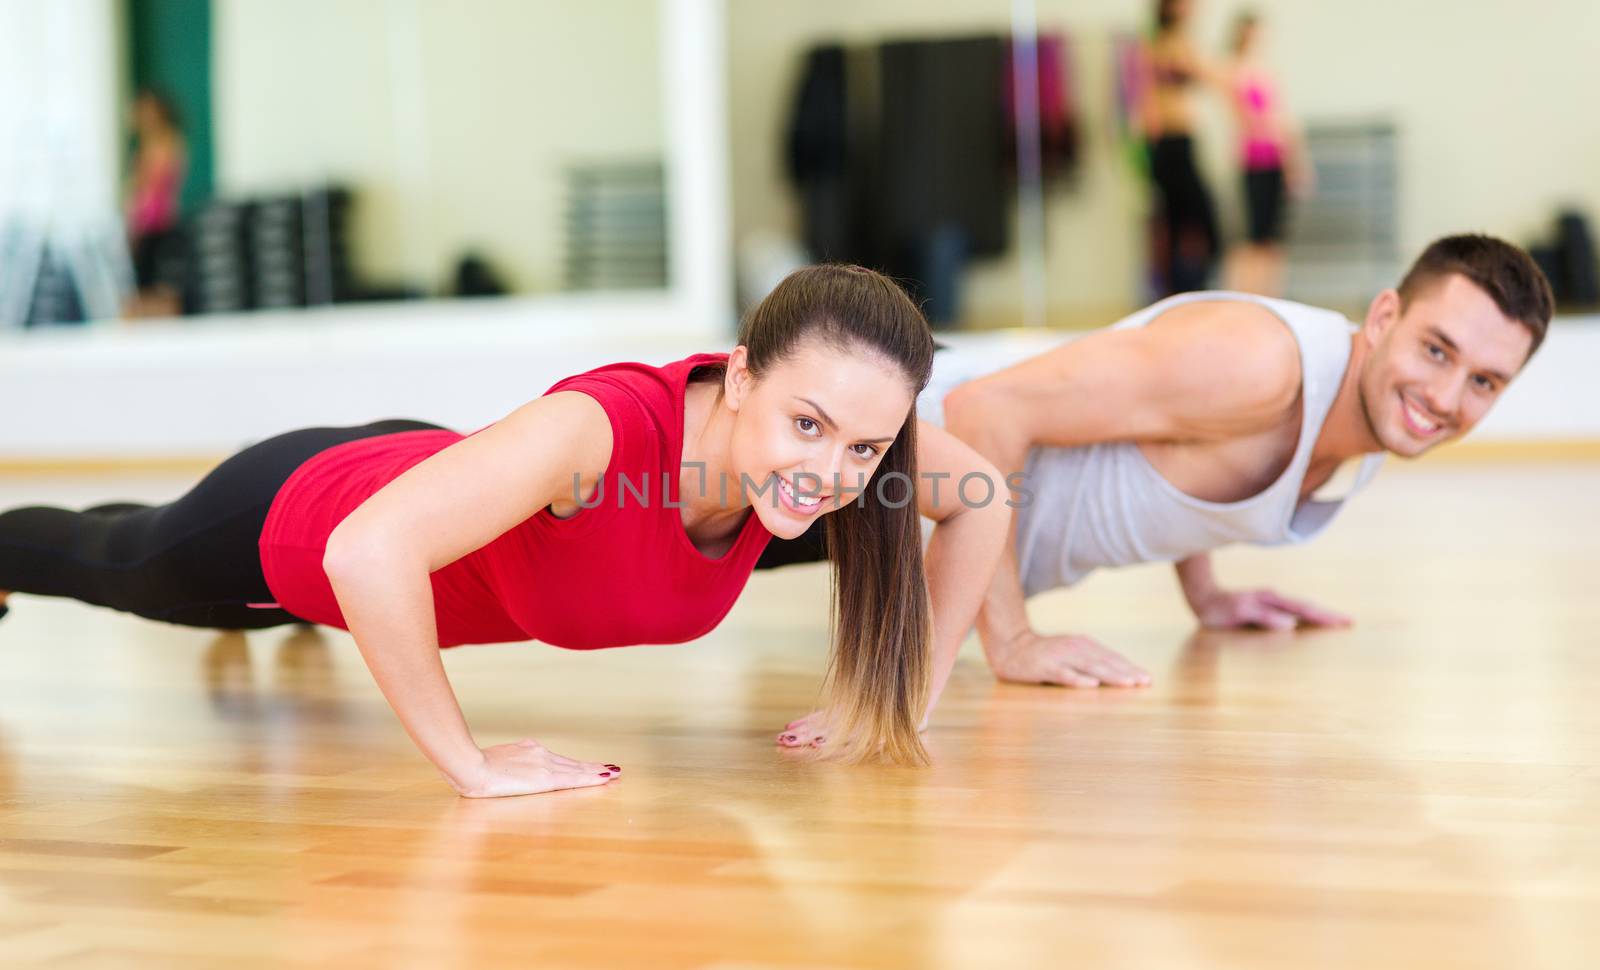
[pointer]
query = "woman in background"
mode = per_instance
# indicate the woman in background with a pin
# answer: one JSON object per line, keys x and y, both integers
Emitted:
{"x": 1273, "y": 158}
{"x": 1188, "y": 240}
{"x": 155, "y": 185}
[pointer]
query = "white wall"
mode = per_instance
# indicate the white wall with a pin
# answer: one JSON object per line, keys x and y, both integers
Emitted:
{"x": 175, "y": 389}
{"x": 454, "y": 121}
{"x": 1493, "y": 99}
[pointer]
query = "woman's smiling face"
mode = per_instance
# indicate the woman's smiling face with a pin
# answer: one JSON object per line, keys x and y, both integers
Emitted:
{"x": 810, "y": 431}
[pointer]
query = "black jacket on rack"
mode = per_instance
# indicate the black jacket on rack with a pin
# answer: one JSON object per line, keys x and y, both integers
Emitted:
{"x": 900, "y": 153}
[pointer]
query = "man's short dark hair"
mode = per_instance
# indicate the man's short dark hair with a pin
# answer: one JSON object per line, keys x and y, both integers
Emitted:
{"x": 1507, "y": 274}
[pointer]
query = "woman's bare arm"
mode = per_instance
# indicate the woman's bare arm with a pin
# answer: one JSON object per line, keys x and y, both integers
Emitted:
{"x": 380, "y": 557}
{"x": 972, "y": 520}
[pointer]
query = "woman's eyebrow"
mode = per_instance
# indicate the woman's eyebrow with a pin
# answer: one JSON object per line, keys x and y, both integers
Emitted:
{"x": 830, "y": 422}
{"x": 820, "y": 412}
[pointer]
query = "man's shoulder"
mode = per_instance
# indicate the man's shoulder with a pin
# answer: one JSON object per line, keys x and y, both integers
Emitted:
{"x": 1235, "y": 347}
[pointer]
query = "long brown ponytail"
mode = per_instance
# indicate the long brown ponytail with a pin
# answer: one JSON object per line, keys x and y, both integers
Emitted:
{"x": 877, "y": 683}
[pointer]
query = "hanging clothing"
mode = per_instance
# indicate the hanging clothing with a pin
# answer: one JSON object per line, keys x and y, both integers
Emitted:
{"x": 1058, "y": 110}
{"x": 817, "y": 156}
{"x": 902, "y": 161}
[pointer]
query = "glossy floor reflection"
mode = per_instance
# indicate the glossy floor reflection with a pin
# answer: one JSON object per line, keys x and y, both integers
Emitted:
{"x": 1420, "y": 790}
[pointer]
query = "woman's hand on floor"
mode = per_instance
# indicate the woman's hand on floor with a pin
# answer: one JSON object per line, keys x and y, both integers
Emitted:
{"x": 527, "y": 767}
{"x": 810, "y": 731}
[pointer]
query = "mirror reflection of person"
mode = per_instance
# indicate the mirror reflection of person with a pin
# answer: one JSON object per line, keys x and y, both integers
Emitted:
{"x": 1189, "y": 240}
{"x": 155, "y": 186}
{"x": 1273, "y": 159}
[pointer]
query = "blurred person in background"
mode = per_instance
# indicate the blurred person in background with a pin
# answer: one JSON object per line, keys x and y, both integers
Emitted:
{"x": 155, "y": 185}
{"x": 1188, "y": 242}
{"x": 1273, "y": 158}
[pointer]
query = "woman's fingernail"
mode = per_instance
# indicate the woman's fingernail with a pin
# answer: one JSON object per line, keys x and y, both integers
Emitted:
{"x": 614, "y": 767}
{"x": 605, "y": 774}
{"x": 788, "y": 737}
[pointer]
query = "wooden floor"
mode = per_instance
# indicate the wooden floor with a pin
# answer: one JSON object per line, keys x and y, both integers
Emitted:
{"x": 1422, "y": 790}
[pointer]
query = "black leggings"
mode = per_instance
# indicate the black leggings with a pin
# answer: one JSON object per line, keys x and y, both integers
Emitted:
{"x": 1187, "y": 215}
{"x": 195, "y": 561}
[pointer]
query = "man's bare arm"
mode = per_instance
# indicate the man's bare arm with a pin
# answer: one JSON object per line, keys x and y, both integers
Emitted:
{"x": 1202, "y": 371}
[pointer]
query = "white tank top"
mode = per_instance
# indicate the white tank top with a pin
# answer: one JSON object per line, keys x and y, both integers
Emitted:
{"x": 1106, "y": 505}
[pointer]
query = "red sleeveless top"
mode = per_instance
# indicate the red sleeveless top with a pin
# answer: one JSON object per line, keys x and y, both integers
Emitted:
{"x": 618, "y": 573}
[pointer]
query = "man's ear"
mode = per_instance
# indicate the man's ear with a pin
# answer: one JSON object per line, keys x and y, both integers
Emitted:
{"x": 737, "y": 380}
{"x": 1381, "y": 316}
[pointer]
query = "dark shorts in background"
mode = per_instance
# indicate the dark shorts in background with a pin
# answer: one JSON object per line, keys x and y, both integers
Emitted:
{"x": 1266, "y": 202}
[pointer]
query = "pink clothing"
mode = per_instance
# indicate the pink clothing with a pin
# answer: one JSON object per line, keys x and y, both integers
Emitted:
{"x": 154, "y": 205}
{"x": 1260, "y": 144}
